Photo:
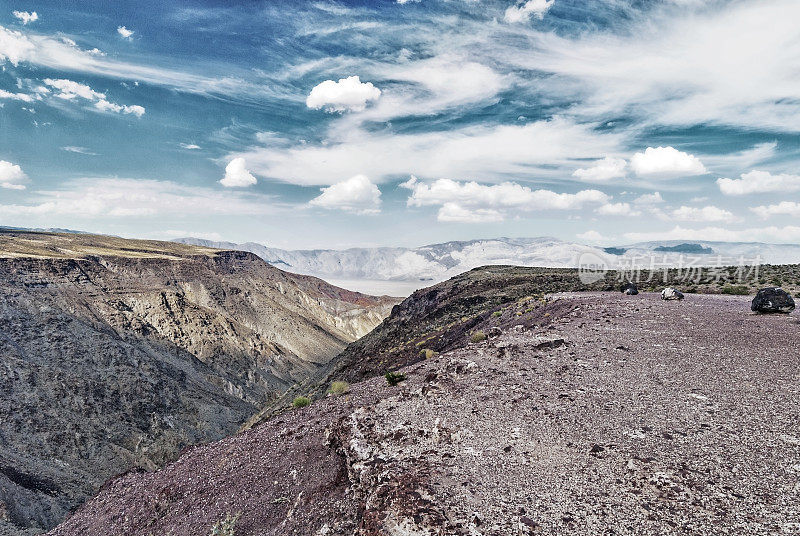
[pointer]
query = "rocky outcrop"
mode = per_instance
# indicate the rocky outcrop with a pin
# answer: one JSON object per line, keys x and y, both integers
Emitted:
{"x": 640, "y": 421}
{"x": 772, "y": 300}
{"x": 120, "y": 360}
{"x": 670, "y": 293}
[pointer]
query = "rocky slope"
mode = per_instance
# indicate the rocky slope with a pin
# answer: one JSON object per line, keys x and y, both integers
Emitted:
{"x": 119, "y": 353}
{"x": 618, "y": 415}
{"x": 437, "y": 262}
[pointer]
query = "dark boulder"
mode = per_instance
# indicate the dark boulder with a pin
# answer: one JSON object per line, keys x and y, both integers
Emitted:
{"x": 772, "y": 300}
{"x": 629, "y": 289}
{"x": 670, "y": 293}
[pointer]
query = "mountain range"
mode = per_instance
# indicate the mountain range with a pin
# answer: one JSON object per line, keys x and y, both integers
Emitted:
{"x": 413, "y": 268}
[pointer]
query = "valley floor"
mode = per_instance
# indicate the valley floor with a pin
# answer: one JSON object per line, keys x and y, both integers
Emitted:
{"x": 628, "y": 415}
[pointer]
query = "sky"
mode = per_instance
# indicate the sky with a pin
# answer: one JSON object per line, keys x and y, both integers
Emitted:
{"x": 333, "y": 124}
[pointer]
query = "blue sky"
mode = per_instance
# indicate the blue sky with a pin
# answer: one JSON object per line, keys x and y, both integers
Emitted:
{"x": 335, "y": 124}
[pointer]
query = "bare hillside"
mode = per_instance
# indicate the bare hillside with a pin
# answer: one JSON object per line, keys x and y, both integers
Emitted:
{"x": 617, "y": 415}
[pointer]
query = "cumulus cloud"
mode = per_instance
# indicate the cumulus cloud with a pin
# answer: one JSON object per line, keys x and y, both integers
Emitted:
{"x": 704, "y": 214}
{"x": 347, "y": 95}
{"x": 591, "y": 236}
{"x": 523, "y": 12}
{"x": 617, "y": 209}
{"x": 784, "y": 208}
{"x": 666, "y": 163}
{"x": 788, "y": 234}
{"x": 356, "y": 194}
{"x": 757, "y": 182}
{"x": 105, "y": 106}
{"x": 649, "y": 199}
{"x": 237, "y": 175}
{"x": 11, "y": 176}
{"x": 15, "y": 96}
{"x": 26, "y": 17}
{"x": 71, "y": 90}
{"x": 125, "y": 33}
{"x": 130, "y": 198}
{"x": 472, "y": 201}
{"x": 603, "y": 170}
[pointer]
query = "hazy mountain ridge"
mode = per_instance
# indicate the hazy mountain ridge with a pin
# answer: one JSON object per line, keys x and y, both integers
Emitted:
{"x": 437, "y": 262}
{"x": 120, "y": 353}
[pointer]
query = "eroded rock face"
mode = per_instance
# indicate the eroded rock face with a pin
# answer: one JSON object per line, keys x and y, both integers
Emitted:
{"x": 670, "y": 293}
{"x": 111, "y": 363}
{"x": 772, "y": 300}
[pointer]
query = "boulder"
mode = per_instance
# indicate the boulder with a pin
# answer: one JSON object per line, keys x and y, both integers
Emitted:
{"x": 772, "y": 300}
{"x": 629, "y": 289}
{"x": 670, "y": 293}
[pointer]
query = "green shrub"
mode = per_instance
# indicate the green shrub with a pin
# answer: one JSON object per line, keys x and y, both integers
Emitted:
{"x": 339, "y": 388}
{"x": 737, "y": 290}
{"x": 225, "y": 527}
{"x": 478, "y": 336}
{"x": 393, "y": 378}
{"x": 301, "y": 402}
{"x": 497, "y": 314}
{"x": 427, "y": 353}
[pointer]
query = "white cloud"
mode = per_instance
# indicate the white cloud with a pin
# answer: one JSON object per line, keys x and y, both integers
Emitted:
{"x": 704, "y": 214}
{"x": 26, "y": 17}
{"x": 666, "y": 163}
{"x": 617, "y": 209}
{"x": 15, "y": 96}
{"x": 105, "y": 106}
{"x": 784, "y": 208}
{"x": 649, "y": 199}
{"x": 523, "y": 12}
{"x": 130, "y": 198}
{"x": 603, "y": 170}
{"x": 124, "y": 32}
{"x": 455, "y": 213}
{"x": 591, "y": 236}
{"x": 491, "y": 152}
{"x": 78, "y": 150}
{"x": 347, "y": 95}
{"x": 665, "y": 68}
{"x": 237, "y": 175}
{"x": 65, "y": 55}
{"x": 788, "y": 234}
{"x": 11, "y": 176}
{"x": 471, "y": 201}
{"x": 356, "y": 194}
{"x": 757, "y": 182}
{"x": 189, "y": 146}
{"x": 71, "y": 90}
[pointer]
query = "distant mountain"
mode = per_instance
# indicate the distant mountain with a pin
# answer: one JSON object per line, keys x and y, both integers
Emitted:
{"x": 437, "y": 262}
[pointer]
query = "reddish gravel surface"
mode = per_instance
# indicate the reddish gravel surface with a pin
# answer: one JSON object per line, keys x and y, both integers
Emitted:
{"x": 650, "y": 418}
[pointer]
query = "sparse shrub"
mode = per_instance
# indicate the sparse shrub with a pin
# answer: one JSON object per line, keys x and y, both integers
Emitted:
{"x": 478, "y": 336}
{"x": 427, "y": 353}
{"x": 393, "y": 378}
{"x": 339, "y": 388}
{"x": 737, "y": 290}
{"x": 225, "y": 527}
{"x": 301, "y": 402}
{"x": 497, "y": 314}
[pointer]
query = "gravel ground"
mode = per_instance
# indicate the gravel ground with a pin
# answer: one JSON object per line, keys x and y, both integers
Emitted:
{"x": 628, "y": 415}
